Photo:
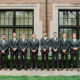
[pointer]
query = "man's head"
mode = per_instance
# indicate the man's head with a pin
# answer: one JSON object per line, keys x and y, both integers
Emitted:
{"x": 14, "y": 35}
{"x": 55, "y": 34}
{"x": 44, "y": 34}
{"x": 23, "y": 36}
{"x": 64, "y": 35}
{"x": 3, "y": 36}
{"x": 74, "y": 36}
{"x": 34, "y": 36}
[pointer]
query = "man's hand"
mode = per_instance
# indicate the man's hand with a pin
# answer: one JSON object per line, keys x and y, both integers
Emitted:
{"x": 55, "y": 50}
{"x": 75, "y": 49}
{"x": 64, "y": 51}
{"x": 23, "y": 50}
{"x": 44, "y": 50}
{"x": 14, "y": 49}
{"x": 33, "y": 51}
{"x": 3, "y": 52}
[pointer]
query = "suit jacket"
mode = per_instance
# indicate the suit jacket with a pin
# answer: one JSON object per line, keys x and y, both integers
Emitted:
{"x": 75, "y": 44}
{"x": 4, "y": 46}
{"x": 45, "y": 44}
{"x": 65, "y": 45}
{"x": 34, "y": 45}
{"x": 55, "y": 44}
{"x": 14, "y": 44}
{"x": 23, "y": 44}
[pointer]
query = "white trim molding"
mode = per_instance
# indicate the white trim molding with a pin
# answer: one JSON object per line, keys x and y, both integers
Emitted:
{"x": 54, "y": 21}
{"x": 35, "y": 7}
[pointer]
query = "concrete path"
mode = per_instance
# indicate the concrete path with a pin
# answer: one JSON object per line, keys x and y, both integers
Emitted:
{"x": 15, "y": 72}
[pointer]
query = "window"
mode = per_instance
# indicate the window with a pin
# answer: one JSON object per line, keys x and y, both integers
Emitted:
{"x": 19, "y": 21}
{"x": 69, "y": 23}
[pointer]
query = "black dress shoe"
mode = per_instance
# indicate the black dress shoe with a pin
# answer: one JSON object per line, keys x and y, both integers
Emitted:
{"x": 20, "y": 67}
{"x": 48, "y": 69}
{"x": 11, "y": 68}
{"x": 17, "y": 68}
{"x": 25, "y": 68}
{"x": 42, "y": 68}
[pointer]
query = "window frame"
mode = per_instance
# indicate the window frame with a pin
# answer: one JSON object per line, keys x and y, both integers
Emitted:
{"x": 77, "y": 26}
{"x": 14, "y": 19}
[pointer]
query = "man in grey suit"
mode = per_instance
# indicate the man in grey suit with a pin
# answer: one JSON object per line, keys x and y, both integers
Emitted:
{"x": 34, "y": 45}
{"x": 23, "y": 48}
{"x": 65, "y": 45}
{"x": 44, "y": 43}
{"x": 14, "y": 42}
{"x": 74, "y": 48}
{"x": 4, "y": 45}
{"x": 55, "y": 45}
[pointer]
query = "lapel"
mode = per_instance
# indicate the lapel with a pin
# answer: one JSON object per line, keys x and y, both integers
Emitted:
{"x": 45, "y": 41}
{"x": 74, "y": 41}
{"x": 3, "y": 43}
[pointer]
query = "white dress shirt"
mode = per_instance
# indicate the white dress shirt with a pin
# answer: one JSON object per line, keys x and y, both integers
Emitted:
{"x": 45, "y": 38}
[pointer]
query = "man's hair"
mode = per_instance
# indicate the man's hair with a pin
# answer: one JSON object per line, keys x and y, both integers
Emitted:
{"x": 74, "y": 33}
{"x": 14, "y": 32}
{"x": 23, "y": 33}
{"x": 34, "y": 33}
{"x": 64, "y": 33}
{"x": 54, "y": 32}
{"x": 3, "y": 34}
{"x": 44, "y": 32}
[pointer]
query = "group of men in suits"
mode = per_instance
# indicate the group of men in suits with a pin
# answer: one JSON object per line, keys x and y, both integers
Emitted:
{"x": 16, "y": 46}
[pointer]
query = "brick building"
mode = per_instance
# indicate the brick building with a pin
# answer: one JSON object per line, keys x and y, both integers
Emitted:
{"x": 28, "y": 16}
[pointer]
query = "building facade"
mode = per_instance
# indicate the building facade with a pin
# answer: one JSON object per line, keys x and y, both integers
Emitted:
{"x": 37, "y": 16}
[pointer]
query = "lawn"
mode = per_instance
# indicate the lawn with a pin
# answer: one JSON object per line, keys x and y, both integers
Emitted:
{"x": 39, "y": 78}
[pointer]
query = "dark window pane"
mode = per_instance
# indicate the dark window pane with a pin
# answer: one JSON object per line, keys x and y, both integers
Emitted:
{"x": 24, "y": 18}
{"x": 68, "y": 17}
{"x": 65, "y": 21}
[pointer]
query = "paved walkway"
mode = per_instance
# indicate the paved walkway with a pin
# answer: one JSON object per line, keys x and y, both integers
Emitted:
{"x": 15, "y": 72}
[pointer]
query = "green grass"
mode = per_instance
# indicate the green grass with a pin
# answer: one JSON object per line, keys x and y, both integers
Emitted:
{"x": 39, "y": 78}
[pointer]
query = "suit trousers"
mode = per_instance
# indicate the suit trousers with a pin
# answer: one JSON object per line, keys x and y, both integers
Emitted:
{"x": 14, "y": 54}
{"x": 55, "y": 55}
{"x": 45, "y": 61}
{"x": 34, "y": 58}
{"x": 77, "y": 60}
{"x": 62, "y": 59}
{"x": 3, "y": 59}
{"x": 23, "y": 59}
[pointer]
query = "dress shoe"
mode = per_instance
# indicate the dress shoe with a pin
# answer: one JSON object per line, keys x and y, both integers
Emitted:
{"x": 5, "y": 69}
{"x": 71, "y": 69}
{"x": 36, "y": 69}
{"x": 25, "y": 68}
{"x": 66, "y": 69}
{"x": 58, "y": 69}
{"x": 62, "y": 68}
{"x": 11, "y": 68}
{"x": 0, "y": 68}
{"x": 42, "y": 68}
{"x": 53, "y": 69}
{"x": 48, "y": 69}
{"x": 31, "y": 69}
{"x": 20, "y": 67}
{"x": 78, "y": 69}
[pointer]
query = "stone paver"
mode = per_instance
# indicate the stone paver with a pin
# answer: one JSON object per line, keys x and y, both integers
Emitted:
{"x": 15, "y": 72}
